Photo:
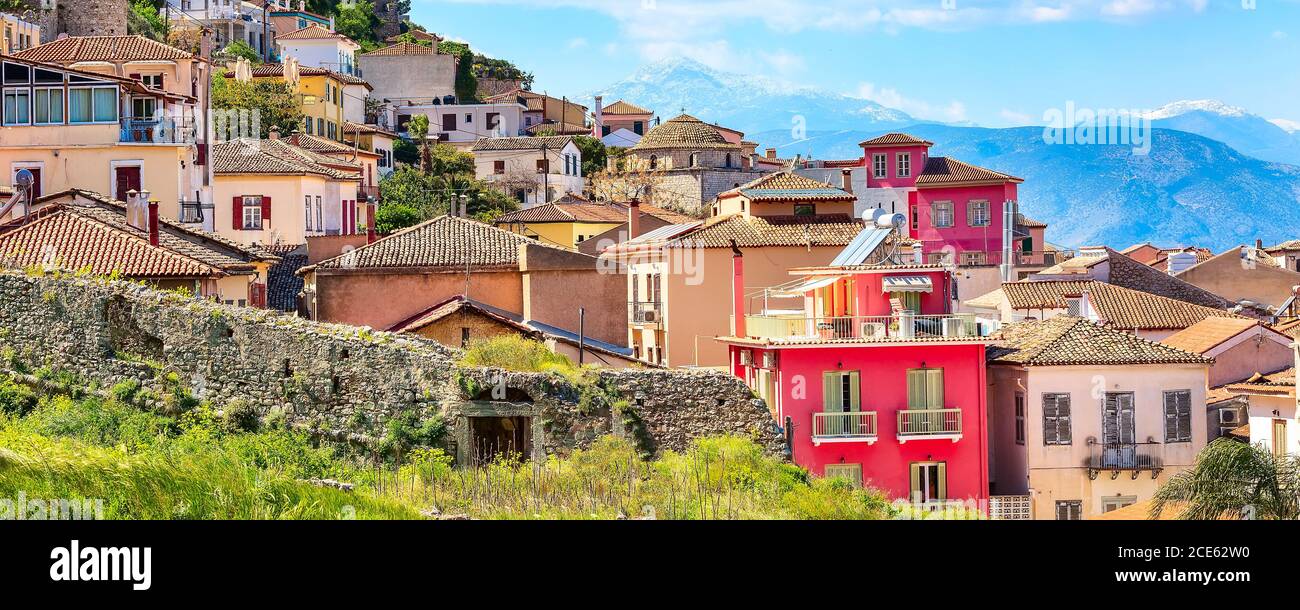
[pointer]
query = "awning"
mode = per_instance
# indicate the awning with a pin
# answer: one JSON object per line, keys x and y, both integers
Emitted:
{"x": 805, "y": 286}
{"x": 908, "y": 283}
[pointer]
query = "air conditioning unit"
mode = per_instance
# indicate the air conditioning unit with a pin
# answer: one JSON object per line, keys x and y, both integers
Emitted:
{"x": 873, "y": 330}
{"x": 769, "y": 360}
{"x": 650, "y": 316}
{"x": 1229, "y": 416}
{"x": 954, "y": 327}
{"x": 746, "y": 357}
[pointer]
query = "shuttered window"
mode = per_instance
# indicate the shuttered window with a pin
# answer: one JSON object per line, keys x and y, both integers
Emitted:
{"x": 942, "y": 213}
{"x": 977, "y": 213}
{"x": 840, "y": 392}
{"x": 1178, "y": 416}
{"x": 852, "y": 472}
{"x": 1020, "y": 419}
{"x": 1069, "y": 510}
{"x": 1117, "y": 420}
{"x": 924, "y": 389}
{"x": 1056, "y": 419}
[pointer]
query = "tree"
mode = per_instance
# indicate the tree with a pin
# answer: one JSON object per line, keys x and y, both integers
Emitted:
{"x": 275, "y": 103}
{"x": 418, "y": 127}
{"x": 358, "y": 22}
{"x": 466, "y": 83}
{"x": 145, "y": 19}
{"x": 594, "y": 155}
{"x": 1234, "y": 479}
{"x": 429, "y": 196}
{"x": 241, "y": 50}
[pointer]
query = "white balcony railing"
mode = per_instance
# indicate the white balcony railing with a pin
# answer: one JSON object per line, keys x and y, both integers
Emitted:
{"x": 918, "y": 424}
{"x": 856, "y": 427}
{"x": 864, "y": 328}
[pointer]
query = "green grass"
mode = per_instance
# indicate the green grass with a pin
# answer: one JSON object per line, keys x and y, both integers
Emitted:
{"x": 515, "y": 353}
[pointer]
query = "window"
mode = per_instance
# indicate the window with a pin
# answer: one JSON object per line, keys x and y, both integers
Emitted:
{"x": 929, "y": 482}
{"x": 469, "y": 118}
{"x": 977, "y": 213}
{"x": 308, "y": 129}
{"x": 941, "y": 211}
{"x": 852, "y": 472}
{"x": 904, "y": 165}
{"x": 153, "y": 81}
{"x": 841, "y": 392}
{"x": 974, "y": 259}
{"x": 306, "y": 207}
{"x": 320, "y": 127}
{"x": 879, "y": 165}
{"x": 18, "y": 107}
{"x": 805, "y": 209}
{"x": 1020, "y": 418}
{"x": 1056, "y": 419}
{"x": 493, "y": 120}
{"x": 143, "y": 108}
{"x": 498, "y": 167}
{"x": 543, "y": 166}
{"x": 252, "y": 213}
{"x": 449, "y": 122}
{"x": 924, "y": 389}
{"x": 1069, "y": 510}
{"x": 320, "y": 214}
{"x": 1117, "y": 502}
{"x": 915, "y": 219}
{"x": 1178, "y": 416}
{"x": 654, "y": 162}
{"x": 1279, "y": 437}
{"x": 464, "y": 337}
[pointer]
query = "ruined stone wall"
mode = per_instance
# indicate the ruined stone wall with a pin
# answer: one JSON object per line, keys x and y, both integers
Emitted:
{"x": 80, "y": 17}
{"x": 345, "y": 382}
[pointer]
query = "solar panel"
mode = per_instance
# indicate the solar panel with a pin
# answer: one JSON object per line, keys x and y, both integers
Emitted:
{"x": 861, "y": 247}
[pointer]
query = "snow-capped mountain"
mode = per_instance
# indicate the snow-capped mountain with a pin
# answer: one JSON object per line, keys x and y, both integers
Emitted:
{"x": 1248, "y": 133}
{"x": 744, "y": 102}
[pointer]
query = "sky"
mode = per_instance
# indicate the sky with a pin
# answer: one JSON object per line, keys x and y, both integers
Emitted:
{"x": 988, "y": 62}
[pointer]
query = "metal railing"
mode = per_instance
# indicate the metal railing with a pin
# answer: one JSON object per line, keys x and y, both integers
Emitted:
{"x": 191, "y": 212}
{"x": 157, "y": 131}
{"x": 898, "y": 326}
{"x": 840, "y": 427}
{"x": 922, "y": 423}
{"x": 647, "y": 312}
{"x": 1126, "y": 456}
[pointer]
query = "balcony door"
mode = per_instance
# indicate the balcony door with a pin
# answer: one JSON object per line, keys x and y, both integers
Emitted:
{"x": 1118, "y": 431}
{"x": 125, "y": 178}
{"x": 840, "y": 394}
{"x": 929, "y": 482}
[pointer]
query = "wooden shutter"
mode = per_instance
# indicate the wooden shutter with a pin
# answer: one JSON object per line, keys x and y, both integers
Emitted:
{"x": 970, "y": 213}
{"x": 916, "y": 389}
{"x": 237, "y": 207}
{"x": 266, "y": 210}
{"x": 1110, "y": 420}
{"x": 1056, "y": 419}
{"x": 943, "y": 480}
{"x": 934, "y": 389}
{"x": 855, "y": 396}
{"x": 1178, "y": 416}
{"x": 1127, "y": 423}
{"x": 916, "y": 492}
{"x": 830, "y": 395}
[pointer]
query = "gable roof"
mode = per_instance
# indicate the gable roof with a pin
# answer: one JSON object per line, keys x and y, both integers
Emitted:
{"x": 445, "y": 241}
{"x": 1118, "y": 306}
{"x": 103, "y": 48}
{"x": 249, "y": 156}
{"x": 1289, "y": 245}
{"x": 1067, "y": 341}
{"x": 1210, "y": 333}
{"x": 572, "y": 208}
{"x": 789, "y": 186}
{"x": 1281, "y": 383}
{"x": 621, "y": 107}
{"x": 522, "y": 143}
{"x": 895, "y": 139}
{"x": 1129, "y": 273}
{"x": 313, "y": 31}
{"x": 945, "y": 171}
{"x": 757, "y": 231}
{"x": 401, "y": 49}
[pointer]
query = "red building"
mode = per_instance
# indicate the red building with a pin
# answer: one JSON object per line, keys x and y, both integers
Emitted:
{"x": 874, "y": 379}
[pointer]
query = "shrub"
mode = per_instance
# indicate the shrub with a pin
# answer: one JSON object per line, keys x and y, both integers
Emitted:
{"x": 240, "y": 416}
{"x": 16, "y": 399}
{"x": 515, "y": 353}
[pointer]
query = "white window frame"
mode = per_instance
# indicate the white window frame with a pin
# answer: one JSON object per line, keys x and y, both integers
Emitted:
{"x": 307, "y": 211}
{"x": 253, "y": 210}
{"x": 903, "y": 165}
{"x": 16, "y": 91}
{"x": 117, "y": 104}
{"x": 153, "y": 81}
{"x": 63, "y": 105}
{"x": 945, "y": 207}
{"x": 1117, "y": 502}
{"x": 852, "y": 472}
{"x": 980, "y": 215}
{"x": 879, "y": 166}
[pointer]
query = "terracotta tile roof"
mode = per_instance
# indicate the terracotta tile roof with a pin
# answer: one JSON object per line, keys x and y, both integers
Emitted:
{"x": 943, "y": 171}
{"x": 576, "y": 209}
{"x": 563, "y": 129}
{"x": 1067, "y": 341}
{"x": 757, "y": 231}
{"x": 360, "y": 128}
{"x": 1242, "y": 432}
{"x": 789, "y": 186}
{"x": 1293, "y": 244}
{"x": 684, "y": 131}
{"x": 400, "y": 49}
{"x": 313, "y": 31}
{"x": 445, "y": 241}
{"x": 895, "y": 139}
{"x": 317, "y": 144}
{"x": 1128, "y": 273}
{"x": 84, "y": 229}
{"x": 277, "y": 71}
{"x": 1118, "y": 306}
{"x": 797, "y": 341}
{"x": 1290, "y": 328}
{"x": 1281, "y": 383}
{"x": 1209, "y": 333}
{"x": 283, "y": 284}
{"x": 247, "y": 156}
{"x": 1028, "y": 222}
{"x": 496, "y": 144}
{"x": 622, "y": 107}
{"x": 103, "y": 48}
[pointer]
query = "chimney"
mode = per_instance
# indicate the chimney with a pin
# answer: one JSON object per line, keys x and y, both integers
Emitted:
{"x": 846, "y": 180}
{"x": 598, "y": 130}
{"x": 275, "y": 132}
{"x": 153, "y": 222}
{"x": 737, "y": 292}
{"x": 634, "y": 219}
{"x": 770, "y": 153}
{"x": 370, "y": 222}
{"x": 1259, "y": 244}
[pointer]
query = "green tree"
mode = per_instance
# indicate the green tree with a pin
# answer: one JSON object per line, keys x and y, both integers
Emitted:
{"x": 358, "y": 22}
{"x": 418, "y": 128}
{"x": 145, "y": 19}
{"x": 275, "y": 102}
{"x": 466, "y": 83}
{"x": 241, "y": 50}
{"x": 1233, "y": 479}
{"x": 407, "y": 37}
{"x": 594, "y": 154}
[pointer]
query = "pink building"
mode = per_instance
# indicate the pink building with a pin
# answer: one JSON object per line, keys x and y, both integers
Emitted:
{"x": 874, "y": 379}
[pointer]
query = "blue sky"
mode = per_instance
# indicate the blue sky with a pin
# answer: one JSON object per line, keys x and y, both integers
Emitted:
{"x": 991, "y": 62}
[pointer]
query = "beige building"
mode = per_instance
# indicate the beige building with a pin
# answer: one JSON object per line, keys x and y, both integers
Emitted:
{"x": 1244, "y": 274}
{"x": 407, "y": 74}
{"x": 1085, "y": 419}
{"x": 109, "y": 114}
{"x": 17, "y": 34}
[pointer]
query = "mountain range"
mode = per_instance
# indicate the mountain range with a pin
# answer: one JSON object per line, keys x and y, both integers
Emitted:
{"x": 1216, "y": 176}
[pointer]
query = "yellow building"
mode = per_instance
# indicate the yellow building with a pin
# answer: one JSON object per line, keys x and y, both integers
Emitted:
{"x": 572, "y": 220}
{"x": 17, "y": 35}
{"x": 321, "y": 93}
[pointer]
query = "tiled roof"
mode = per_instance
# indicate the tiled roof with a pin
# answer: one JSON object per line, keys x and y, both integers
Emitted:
{"x": 563, "y": 129}
{"x": 317, "y": 144}
{"x": 277, "y": 71}
{"x": 1281, "y": 383}
{"x": 1209, "y": 333}
{"x": 942, "y": 171}
{"x": 495, "y": 144}
{"x": 445, "y": 241}
{"x": 788, "y": 186}
{"x": 622, "y": 107}
{"x": 1293, "y": 244}
{"x": 1118, "y": 306}
{"x": 84, "y": 229}
{"x": 247, "y": 156}
{"x": 684, "y": 131}
{"x": 402, "y": 48}
{"x": 1067, "y": 341}
{"x": 283, "y": 284}
{"x": 1028, "y": 222}
{"x": 313, "y": 31}
{"x": 895, "y": 139}
{"x": 361, "y": 128}
{"x": 755, "y": 231}
{"x": 1290, "y": 328}
{"x": 103, "y": 48}
{"x": 1128, "y": 273}
{"x": 580, "y": 210}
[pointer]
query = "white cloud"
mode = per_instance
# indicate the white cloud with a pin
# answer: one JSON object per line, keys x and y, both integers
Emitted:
{"x": 1017, "y": 119}
{"x": 784, "y": 62}
{"x": 577, "y": 43}
{"x": 953, "y": 111}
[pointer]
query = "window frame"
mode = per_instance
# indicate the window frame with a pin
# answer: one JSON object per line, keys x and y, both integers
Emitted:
{"x": 26, "y": 92}
{"x": 903, "y": 165}
{"x": 941, "y": 210}
{"x": 1074, "y": 510}
{"x": 853, "y": 470}
{"x": 973, "y": 217}
{"x": 1054, "y": 438}
{"x": 244, "y": 213}
{"x": 1020, "y": 418}
{"x": 1180, "y": 436}
{"x": 879, "y": 165}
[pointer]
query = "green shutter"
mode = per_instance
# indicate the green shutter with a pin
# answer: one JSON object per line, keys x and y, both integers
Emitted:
{"x": 916, "y": 389}
{"x": 934, "y": 389}
{"x": 830, "y": 398}
{"x": 943, "y": 481}
{"x": 855, "y": 392}
{"x": 916, "y": 483}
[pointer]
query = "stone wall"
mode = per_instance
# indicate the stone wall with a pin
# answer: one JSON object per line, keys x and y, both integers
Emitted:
{"x": 345, "y": 382}
{"x": 81, "y": 18}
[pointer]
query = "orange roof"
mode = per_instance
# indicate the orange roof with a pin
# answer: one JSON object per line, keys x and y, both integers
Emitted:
{"x": 103, "y": 48}
{"x": 895, "y": 139}
{"x": 1209, "y": 333}
{"x": 943, "y": 171}
{"x": 313, "y": 31}
{"x": 1119, "y": 306}
{"x": 402, "y": 48}
{"x": 622, "y": 107}
{"x": 1281, "y": 383}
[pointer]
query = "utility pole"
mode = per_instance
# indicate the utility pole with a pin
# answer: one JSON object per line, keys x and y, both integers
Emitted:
{"x": 582, "y": 334}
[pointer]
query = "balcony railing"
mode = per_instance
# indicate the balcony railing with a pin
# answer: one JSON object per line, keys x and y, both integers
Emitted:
{"x": 865, "y": 328}
{"x": 919, "y": 424}
{"x": 192, "y": 212}
{"x": 857, "y": 427}
{"x": 157, "y": 131}
{"x": 647, "y": 313}
{"x": 365, "y": 192}
{"x": 1125, "y": 457}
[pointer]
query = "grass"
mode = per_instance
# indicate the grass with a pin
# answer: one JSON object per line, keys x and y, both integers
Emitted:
{"x": 515, "y": 353}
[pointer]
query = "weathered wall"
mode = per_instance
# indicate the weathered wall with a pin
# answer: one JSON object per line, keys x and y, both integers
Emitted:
{"x": 341, "y": 381}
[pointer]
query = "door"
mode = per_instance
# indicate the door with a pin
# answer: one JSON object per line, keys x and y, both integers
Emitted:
{"x": 36, "y": 180}
{"x": 840, "y": 394}
{"x": 929, "y": 482}
{"x": 1118, "y": 430}
{"x": 924, "y": 393}
{"x": 1279, "y": 437}
{"x": 125, "y": 179}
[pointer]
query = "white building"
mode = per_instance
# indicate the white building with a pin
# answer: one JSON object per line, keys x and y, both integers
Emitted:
{"x": 461, "y": 125}
{"x": 318, "y": 47}
{"x": 230, "y": 20}
{"x": 533, "y": 170}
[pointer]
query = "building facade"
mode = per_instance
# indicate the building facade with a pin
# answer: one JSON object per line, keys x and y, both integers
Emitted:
{"x": 534, "y": 171}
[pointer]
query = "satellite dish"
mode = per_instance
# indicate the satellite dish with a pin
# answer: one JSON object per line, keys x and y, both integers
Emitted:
{"x": 24, "y": 178}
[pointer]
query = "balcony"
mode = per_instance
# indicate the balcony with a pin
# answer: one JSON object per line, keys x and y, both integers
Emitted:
{"x": 1134, "y": 458}
{"x": 857, "y": 427}
{"x": 929, "y": 424}
{"x": 863, "y": 328}
{"x": 157, "y": 131}
{"x": 647, "y": 313}
{"x": 192, "y": 212}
